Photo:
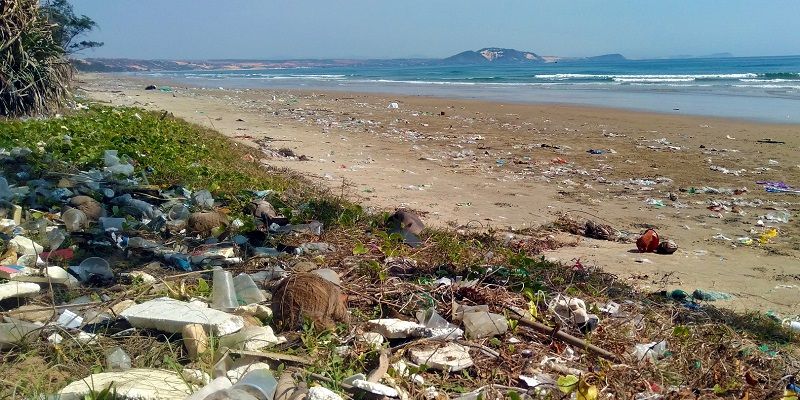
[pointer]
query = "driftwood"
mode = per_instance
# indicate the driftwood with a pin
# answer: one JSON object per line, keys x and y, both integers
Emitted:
{"x": 567, "y": 338}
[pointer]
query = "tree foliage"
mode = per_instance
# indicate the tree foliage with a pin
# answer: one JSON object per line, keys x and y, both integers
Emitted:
{"x": 34, "y": 71}
{"x": 68, "y": 27}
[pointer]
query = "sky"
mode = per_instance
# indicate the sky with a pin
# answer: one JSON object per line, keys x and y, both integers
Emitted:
{"x": 267, "y": 29}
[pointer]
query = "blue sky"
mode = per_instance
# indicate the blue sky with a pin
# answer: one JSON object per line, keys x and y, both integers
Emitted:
{"x": 262, "y": 29}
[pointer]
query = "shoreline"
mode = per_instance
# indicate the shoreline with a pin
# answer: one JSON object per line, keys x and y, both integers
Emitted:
{"x": 494, "y": 163}
{"x": 696, "y": 102}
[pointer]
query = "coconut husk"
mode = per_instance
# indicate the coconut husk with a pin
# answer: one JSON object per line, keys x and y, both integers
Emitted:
{"x": 307, "y": 296}
{"x": 600, "y": 231}
{"x": 205, "y": 222}
{"x": 91, "y": 207}
{"x": 404, "y": 220}
{"x": 262, "y": 209}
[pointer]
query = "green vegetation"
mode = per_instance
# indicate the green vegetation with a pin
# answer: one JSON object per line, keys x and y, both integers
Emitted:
{"x": 173, "y": 151}
{"x": 34, "y": 71}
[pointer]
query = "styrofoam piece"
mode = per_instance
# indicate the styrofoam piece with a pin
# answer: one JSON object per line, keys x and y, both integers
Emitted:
{"x": 140, "y": 384}
{"x": 171, "y": 315}
{"x": 18, "y": 289}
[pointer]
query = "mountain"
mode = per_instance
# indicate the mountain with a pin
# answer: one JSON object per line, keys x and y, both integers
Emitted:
{"x": 493, "y": 55}
{"x": 497, "y": 55}
{"x": 607, "y": 57}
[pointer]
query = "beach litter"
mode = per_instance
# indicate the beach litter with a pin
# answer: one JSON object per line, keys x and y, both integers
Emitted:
{"x": 265, "y": 271}
{"x": 648, "y": 242}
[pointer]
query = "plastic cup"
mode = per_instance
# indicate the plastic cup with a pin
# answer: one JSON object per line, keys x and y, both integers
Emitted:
{"x": 95, "y": 266}
{"x": 223, "y": 292}
{"x": 258, "y": 382}
{"x": 109, "y": 223}
{"x": 74, "y": 219}
{"x": 178, "y": 212}
{"x": 246, "y": 290}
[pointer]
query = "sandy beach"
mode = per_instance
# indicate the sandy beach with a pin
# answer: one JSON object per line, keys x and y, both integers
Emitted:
{"x": 476, "y": 165}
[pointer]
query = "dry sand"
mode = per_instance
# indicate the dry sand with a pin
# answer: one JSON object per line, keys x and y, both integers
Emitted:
{"x": 472, "y": 165}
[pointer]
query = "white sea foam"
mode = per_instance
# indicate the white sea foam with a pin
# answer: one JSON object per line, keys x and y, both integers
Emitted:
{"x": 768, "y": 86}
{"x": 641, "y": 78}
{"x": 652, "y": 80}
{"x": 770, "y": 80}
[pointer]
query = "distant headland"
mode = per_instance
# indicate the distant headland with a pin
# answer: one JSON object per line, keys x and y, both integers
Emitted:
{"x": 488, "y": 55}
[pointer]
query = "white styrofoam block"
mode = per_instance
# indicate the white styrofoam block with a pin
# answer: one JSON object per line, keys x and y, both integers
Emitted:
{"x": 451, "y": 357}
{"x": 140, "y": 384}
{"x": 393, "y": 328}
{"x": 18, "y": 289}
{"x": 171, "y": 315}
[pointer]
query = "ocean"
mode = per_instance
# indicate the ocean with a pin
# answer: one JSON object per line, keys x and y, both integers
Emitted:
{"x": 763, "y": 89}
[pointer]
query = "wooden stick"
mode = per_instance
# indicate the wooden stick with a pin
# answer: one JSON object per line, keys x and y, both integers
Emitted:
{"x": 569, "y": 339}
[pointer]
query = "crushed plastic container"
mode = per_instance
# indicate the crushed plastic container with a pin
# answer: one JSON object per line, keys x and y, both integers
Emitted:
{"x": 94, "y": 268}
{"x": 118, "y": 360}
{"x": 484, "y": 324}
{"x": 55, "y": 238}
{"x": 203, "y": 199}
{"x": 111, "y": 224}
{"x": 246, "y": 290}
{"x": 650, "y": 351}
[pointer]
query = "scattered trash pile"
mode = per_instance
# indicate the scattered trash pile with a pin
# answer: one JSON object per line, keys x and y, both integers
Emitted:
{"x": 96, "y": 259}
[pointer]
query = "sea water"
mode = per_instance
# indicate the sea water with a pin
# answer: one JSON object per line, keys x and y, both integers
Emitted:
{"x": 753, "y": 88}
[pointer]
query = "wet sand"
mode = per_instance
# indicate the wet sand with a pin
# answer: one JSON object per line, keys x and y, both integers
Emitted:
{"x": 472, "y": 165}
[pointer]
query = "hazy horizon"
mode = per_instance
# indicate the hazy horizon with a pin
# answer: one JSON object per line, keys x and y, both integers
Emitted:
{"x": 360, "y": 29}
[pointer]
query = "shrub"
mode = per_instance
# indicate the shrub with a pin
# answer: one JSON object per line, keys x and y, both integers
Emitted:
{"x": 34, "y": 71}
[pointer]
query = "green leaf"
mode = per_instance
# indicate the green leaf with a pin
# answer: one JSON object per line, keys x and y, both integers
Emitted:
{"x": 719, "y": 389}
{"x": 203, "y": 287}
{"x": 680, "y": 331}
{"x": 586, "y": 392}
{"x": 359, "y": 249}
{"x": 567, "y": 384}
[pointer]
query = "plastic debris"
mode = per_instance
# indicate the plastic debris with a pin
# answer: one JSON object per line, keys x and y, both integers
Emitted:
{"x": 650, "y": 351}
{"x": 707, "y": 295}
{"x": 392, "y": 328}
{"x": 171, "y": 315}
{"x": 450, "y": 357}
{"x": 484, "y": 324}
{"x": 142, "y": 384}
{"x": 117, "y": 359}
{"x": 648, "y": 241}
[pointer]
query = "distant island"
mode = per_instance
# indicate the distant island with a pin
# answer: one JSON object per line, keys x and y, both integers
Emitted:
{"x": 488, "y": 55}
{"x": 499, "y": 55}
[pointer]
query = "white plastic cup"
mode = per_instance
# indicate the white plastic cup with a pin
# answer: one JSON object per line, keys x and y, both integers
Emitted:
{"x": 178, "y": 212}
{"x": 258, "y": 382}
{"x": 793, "y": 325}
{"x": 223, "y": 293}
{"x": 74, "y": 219}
